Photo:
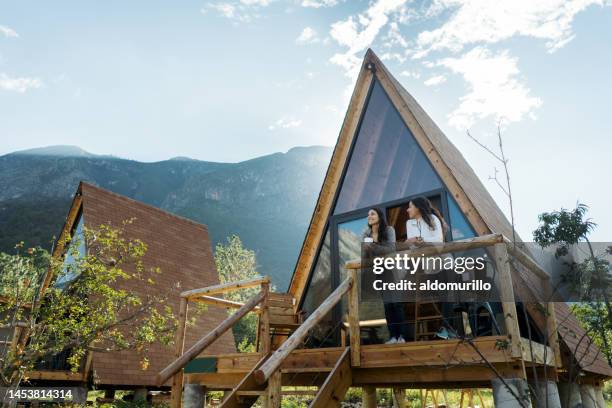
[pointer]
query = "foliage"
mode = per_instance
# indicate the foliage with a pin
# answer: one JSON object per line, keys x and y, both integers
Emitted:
{"x": 563, "y": 228}
{"x": 85, "y": 306}
{"x": 588, "y": 279}
{"x": 234, "y": 262}
{"x": 594, "y": 318}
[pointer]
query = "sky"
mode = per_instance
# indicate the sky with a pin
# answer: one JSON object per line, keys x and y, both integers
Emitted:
{"x": 229, "y": 80}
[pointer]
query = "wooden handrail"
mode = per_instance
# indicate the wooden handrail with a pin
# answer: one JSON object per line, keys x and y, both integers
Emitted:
{"x": 210, "y": 300}
{"x": 276, "y": 359}
{"x": 525, "y": 259}
{"x": 225, "y": 287}
{"x": 207, "y": 340}
{"x": 443, "y": 248}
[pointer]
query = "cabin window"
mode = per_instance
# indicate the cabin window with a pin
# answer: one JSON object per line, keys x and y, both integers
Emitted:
{"x": 459, "y": 226}
{"x": 319, "y": 288}
{"x": 386, "y": 162}
{"x": 75, "y": 251}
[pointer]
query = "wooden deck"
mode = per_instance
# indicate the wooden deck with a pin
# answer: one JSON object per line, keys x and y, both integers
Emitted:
{"x": 423, "y": 364}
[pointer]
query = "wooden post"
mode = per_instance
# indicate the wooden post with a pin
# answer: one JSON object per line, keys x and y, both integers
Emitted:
{"x": 272, "y": 398}
{"x": 353, "y": 319}
{"x": 553, "y": 335}
{"x": 369, "y": 396}
{"x": 506, "y": 292}
{"x": 180, "y": 362}
{"x": 179, "y": 344}
{"x": 264, "y": 321}
{"x": 399, "y": 398}
{"x": 276, "y": 359}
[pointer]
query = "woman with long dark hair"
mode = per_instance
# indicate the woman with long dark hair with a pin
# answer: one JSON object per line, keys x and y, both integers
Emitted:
{"x": 425, "y": 222}
{"x": 426, "y": 225}
{"x": 379, "y": 232}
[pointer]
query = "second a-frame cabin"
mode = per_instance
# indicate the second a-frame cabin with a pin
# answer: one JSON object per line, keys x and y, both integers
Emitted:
{"x": 324, "y": 335}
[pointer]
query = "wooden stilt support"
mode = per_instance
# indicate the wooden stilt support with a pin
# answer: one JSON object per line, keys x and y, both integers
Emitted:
{"x": 179, "y": 344}
{"x": 369, "y": 396}
{"x": 399, "y": 397}
{"x": 506, "y": 292}
{"x": 272, "y": 397}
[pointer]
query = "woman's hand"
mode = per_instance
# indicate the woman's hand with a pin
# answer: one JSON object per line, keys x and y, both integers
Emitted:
{"x": 418, "y": 241}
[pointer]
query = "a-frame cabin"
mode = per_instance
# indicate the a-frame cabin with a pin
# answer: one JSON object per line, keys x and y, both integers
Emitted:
{"x": 322, "y": 334}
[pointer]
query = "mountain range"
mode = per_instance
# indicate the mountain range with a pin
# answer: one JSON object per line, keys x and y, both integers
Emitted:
{"x": 267, "y": 201}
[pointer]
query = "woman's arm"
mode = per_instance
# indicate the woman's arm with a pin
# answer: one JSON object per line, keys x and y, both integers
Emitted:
{"x": 391, "y": 234}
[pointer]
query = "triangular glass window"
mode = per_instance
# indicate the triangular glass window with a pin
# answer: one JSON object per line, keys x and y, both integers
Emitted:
{"x": 386, "y": 163}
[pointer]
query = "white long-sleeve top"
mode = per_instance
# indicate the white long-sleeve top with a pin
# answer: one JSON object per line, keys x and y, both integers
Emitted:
{"x": 419, "y": 228}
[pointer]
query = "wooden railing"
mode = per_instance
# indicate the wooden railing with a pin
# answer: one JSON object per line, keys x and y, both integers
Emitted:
{"x": 502, "y": 248}
{"x": 272, "y": 364}
{"x": 204, "y": 295}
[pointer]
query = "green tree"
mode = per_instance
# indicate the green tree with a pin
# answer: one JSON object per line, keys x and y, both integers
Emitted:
{"x": 594, "y": 318}
{"x": 234, "y": 262}
{"x": 588, "y": 279}
{"x": 75, "y": 304}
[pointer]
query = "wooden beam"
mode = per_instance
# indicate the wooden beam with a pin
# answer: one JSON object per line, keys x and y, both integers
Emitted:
{"x": 316, "y": 229}
{"x": 369, "y": 396}
{"x": 506, "y": 292}
{"x": 453, "y": 376}
{"x": 248, "y": 383}
{"x": 434, "y": 353}
{"x": 443, "y": 248}
{"x": 538, "y": 350}
{"x": 553, "y": 333}
{"x": 276, "y": 359}
{"x": 399, "y": 398}
{"x": 353, "y": 319}
{"x": 336, "y": 384}
{"x": 525, "y": 259}
{"x": 207, "y": 340}
{"x": 273, "y": 394}
{"x": 87, "y": 367}
{"x": 179, "y": 345}
{"x": 54, "y": 375}
{"x": 228, "y": 304}
{"x": 264, "y": 338}
{"x": 225, "y": 287}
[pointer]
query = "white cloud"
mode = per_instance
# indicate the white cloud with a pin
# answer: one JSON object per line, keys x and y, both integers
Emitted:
{"x": 494, "y": 90}
{"x": 389, "y": 56}
{"x": 410, "y": 74}
{"x": 20, "y": 85}
{"x": 435, "y": 80}
{"x": 308, "y": 35}
{"x": 394, "y": 37}
{"x": 285, "y": 123}
{"x": 8, "y": 32}
{"x": 260, "y": 3}
{"x": 485, "y": 21}
{"x": 242, "y": 11}
{"x": 358, "y": 32}
{"x": 319, "y": 3}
